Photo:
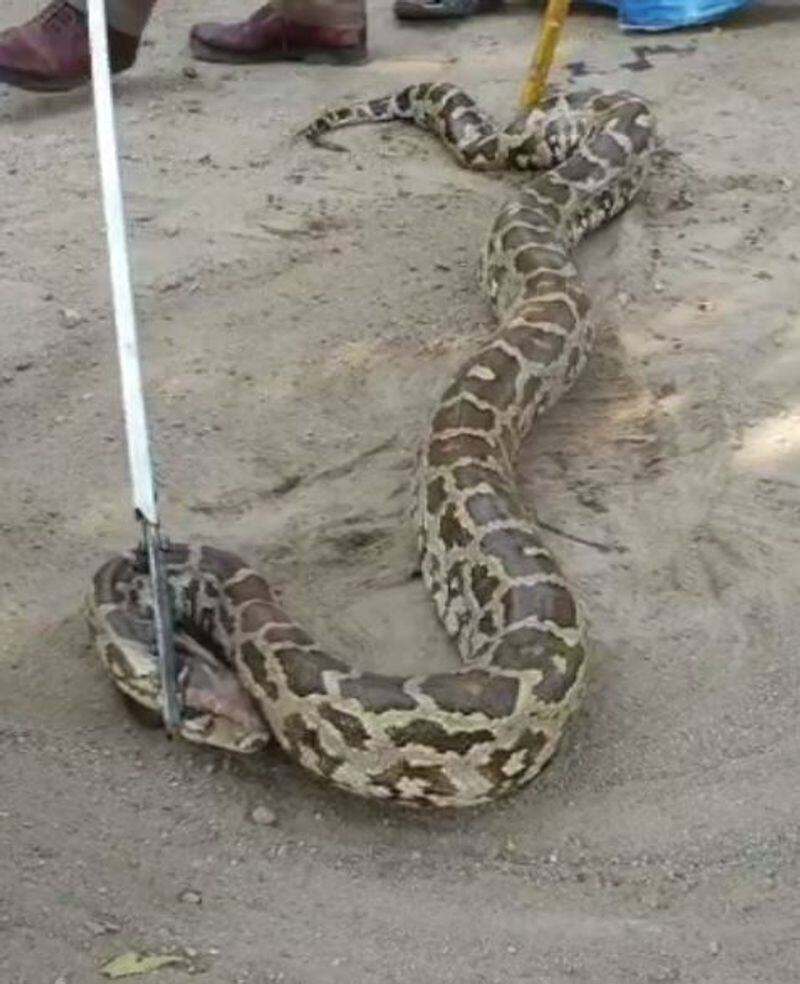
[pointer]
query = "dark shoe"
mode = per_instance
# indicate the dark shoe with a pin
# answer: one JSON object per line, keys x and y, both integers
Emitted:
{"x": 266, "y": 37}
{"x": 443, "y": 9}
{"x": 50, "y": 53}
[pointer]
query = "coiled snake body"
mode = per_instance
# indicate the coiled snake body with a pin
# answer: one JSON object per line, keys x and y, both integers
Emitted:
{"x": 489, "y": 726}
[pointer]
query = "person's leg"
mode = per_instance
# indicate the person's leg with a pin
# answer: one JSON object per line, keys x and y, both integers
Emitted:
{"x": 50, "y": 53}
{"x": 126, "y": 16}
{"x": 288, "y": 30}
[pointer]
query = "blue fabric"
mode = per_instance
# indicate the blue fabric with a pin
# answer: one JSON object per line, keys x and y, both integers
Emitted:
{"x": 666, "y": 15}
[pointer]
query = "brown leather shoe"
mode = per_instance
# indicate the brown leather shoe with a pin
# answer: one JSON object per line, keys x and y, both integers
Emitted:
{"x": 267, "y": 36}
{"x": 50, "y": 53}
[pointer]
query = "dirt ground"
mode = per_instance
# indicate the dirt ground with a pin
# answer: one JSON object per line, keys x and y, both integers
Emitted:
{"x": 300, "y": 310}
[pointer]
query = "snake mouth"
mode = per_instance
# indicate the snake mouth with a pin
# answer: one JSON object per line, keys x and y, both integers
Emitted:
{"x": 217, "y": 710}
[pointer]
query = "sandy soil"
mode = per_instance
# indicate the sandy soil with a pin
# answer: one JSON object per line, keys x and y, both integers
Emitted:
{"x": 299, "y": 311}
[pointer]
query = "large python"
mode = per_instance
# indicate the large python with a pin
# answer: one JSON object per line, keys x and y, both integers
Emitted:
{"x": 489, "y": 726}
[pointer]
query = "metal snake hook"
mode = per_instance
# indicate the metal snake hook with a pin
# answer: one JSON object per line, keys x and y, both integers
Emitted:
{"x": 139, "y": 460}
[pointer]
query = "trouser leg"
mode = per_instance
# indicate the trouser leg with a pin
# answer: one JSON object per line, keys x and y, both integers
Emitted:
{"x": 347, "y": 15}
{"x": 125, "y": 16}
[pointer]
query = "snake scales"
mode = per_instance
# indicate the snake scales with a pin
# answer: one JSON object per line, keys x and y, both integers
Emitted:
{"x": 489, "y": 726}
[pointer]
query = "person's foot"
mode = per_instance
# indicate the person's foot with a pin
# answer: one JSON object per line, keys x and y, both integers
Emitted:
{"x": 266, "y": 36}
{"x": 50, "y": 53}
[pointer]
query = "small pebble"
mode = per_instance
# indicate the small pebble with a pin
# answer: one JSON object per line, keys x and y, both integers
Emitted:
{"x": 263, "y": 816}
{"x": 713, "y": 948}
{"x": 70, "y": 318}
{"x": 666, "y": 389}
{"x": 191, "y": 897}
{"x": 101, "y": 928}
{"x": 704, "y": 305}
{"x": 189, "y": 72}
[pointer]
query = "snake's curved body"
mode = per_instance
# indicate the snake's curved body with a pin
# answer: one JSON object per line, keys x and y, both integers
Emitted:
{"x": 489, "y": 726}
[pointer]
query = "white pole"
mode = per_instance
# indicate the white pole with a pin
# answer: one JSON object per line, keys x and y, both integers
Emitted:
{"x": 140, "y": 464}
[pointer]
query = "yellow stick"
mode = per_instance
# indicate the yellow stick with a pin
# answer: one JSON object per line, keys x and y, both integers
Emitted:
{"x": 536, "y": 83}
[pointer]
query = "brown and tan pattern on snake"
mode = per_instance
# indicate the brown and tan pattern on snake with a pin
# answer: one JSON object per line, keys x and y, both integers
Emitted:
{"x": 488, "y": 727}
